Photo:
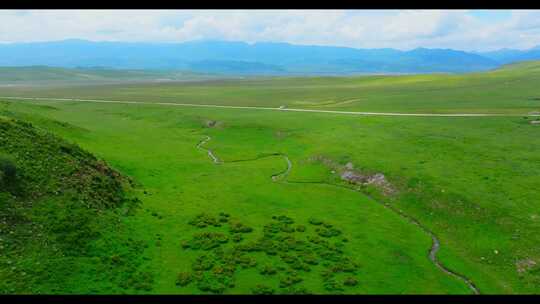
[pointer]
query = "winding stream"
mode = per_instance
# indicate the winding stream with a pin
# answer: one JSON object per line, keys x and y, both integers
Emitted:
{"x": 435, "y": 243}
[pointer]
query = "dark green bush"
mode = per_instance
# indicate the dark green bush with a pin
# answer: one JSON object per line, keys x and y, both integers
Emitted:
{"x": 333, "y": 285}
{"x": 350, "y": 281}
{"x": 203, "y": 262}
{"x": 214, "y": 283}
{"x": 287, "y": 228}
{"x": 346, "y": 265}
{"x": 271, "y": 228}
{"x": 296, "y": 290}
{"x": 314, "y": 221}
{"x": 237, "y": 238}
{"x": 309, "y": 258}
{"x": 237, "y": 227}
{"x": 206, "y": 240}
{"x": 262, "y": 290}
{"x": 268, "y": 270}
{"x": 72, "y": 225}
{"x": 328, "y": 232}
{"x": 141, "y": 281}
{"x": 285, "y": 219}
{"x": 245, "y": 261}
{"x": 288, "y": 280}
{"x": 8, "y": 171}
{"x": 184, "y": 278}
{"x": 204, "y": 220}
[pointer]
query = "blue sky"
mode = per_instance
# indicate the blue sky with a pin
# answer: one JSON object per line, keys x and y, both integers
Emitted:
{"x": 472, "y": 30}
{"x": 492, "y": 15}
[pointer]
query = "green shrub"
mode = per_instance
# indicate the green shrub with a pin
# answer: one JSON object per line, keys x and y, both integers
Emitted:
{"x": 206, "y": 240}
{"x": 289, "y": 259}
{"x": 262, "y": 290}
{"x": 224, "y": 270}
{"x": 214, "y": 283}
{"x": 350, "y": 281}
{"x": 237, "y": 227}
{"x": 204, "y": 220}
{"x": 184, "y": 278}
{"x": 288, "y": 280}
{"x": 245, "y": 261}
{"x": 333, "y": 285}
{"x": 268, "y": 270}
{"x": 141, "y": 281}
{"x": 328, "y": 232}
{"x": 309, "y": 258}
{"x": 314, "y": 221}
{"x": 296, "y": 290}
{"x": 285, "y": 219}
{"x": 271, "y": 228}
{"x": 346, "y": 265}
{"x": 116, "y": 259}
{"x": 287, "y": 228}
{"x": 8, "y": 171}
{"x": 72, "y": 225}
{"x": 203, "y": 262}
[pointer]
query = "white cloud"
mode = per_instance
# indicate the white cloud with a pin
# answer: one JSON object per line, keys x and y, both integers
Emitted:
{"x": 370, "y": 29}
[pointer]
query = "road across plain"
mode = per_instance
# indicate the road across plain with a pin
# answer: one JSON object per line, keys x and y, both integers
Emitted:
{"x": 278, "y": 109}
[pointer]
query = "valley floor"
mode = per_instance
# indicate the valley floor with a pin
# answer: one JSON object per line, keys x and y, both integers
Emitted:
{"x": 466, "y": 179}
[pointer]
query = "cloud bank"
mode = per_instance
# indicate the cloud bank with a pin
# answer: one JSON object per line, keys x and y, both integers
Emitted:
{"x": 401, "y": 29}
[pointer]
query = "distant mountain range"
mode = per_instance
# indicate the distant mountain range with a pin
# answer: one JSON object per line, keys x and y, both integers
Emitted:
{"x": 508, "y": 55}
{"x": 239, "y": 58}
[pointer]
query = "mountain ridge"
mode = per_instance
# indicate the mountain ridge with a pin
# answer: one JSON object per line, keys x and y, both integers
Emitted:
{"x": 237, "y": 57}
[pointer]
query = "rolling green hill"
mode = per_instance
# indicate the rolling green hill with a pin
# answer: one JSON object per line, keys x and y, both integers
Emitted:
{"x": 58, "y": 207}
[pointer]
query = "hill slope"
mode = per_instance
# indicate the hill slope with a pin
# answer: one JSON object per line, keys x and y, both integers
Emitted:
{"x": 58, "y": 204}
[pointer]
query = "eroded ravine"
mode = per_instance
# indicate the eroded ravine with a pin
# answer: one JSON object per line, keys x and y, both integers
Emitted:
{"x": 281, "y": 176}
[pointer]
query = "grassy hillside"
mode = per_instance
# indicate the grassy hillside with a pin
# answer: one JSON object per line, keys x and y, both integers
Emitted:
{"x": 511, "y": 89}
{"x": 58, "y": 208}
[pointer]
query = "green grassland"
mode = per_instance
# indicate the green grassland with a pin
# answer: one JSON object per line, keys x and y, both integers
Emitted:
{"x": 472, "y": 181}
{"x": 510, "y": 89}
{"x": 43, "y": 76}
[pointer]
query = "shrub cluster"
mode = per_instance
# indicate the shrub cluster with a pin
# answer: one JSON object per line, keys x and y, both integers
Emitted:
{"x": 184, "y": 278}
{"x": 262, "y": 290}
{"x": 204, "y": 220}
{"x": 237, "y": 227}
{"x": 295, "y": 250}
{"x": 206, "y": 240}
